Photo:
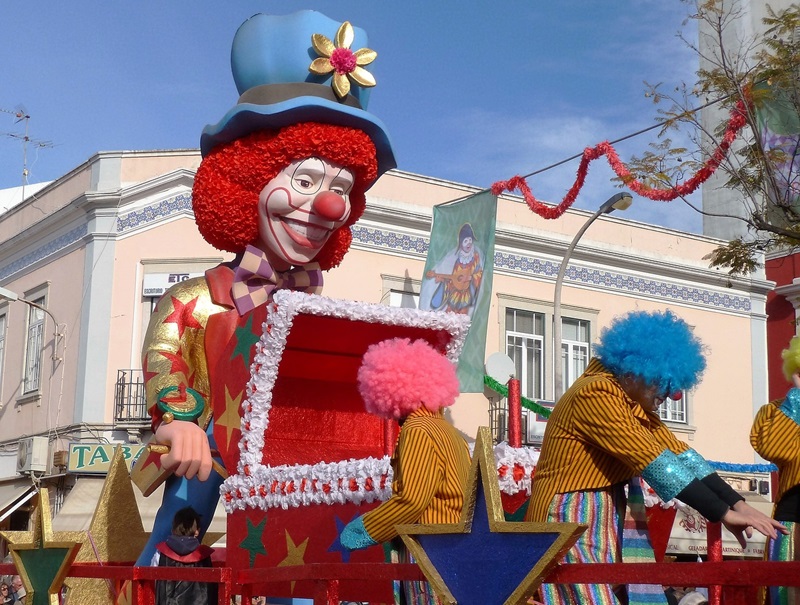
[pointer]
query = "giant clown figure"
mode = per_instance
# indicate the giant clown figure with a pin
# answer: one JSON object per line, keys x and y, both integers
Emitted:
{"x": 283, "y": 177}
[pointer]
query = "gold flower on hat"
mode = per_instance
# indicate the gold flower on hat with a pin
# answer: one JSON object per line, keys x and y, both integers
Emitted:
{"x": 345, "y": 64}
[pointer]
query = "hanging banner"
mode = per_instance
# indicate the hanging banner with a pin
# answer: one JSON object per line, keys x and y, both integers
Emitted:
{"x": 779, "y": 128}
{"x": 458, "y": 275}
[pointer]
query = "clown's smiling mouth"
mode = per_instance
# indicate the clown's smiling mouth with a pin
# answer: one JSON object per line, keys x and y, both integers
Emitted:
{"x": 305, "y": 234}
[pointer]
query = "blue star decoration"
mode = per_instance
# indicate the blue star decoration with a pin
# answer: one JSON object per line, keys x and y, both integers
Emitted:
{"x": 337, "y": 543}
{"x": 42, "y": 558}
{"x": 484, "y": 559}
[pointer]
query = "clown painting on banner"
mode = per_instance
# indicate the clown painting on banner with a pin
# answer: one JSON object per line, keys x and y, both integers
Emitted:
{"x": 458, "y": 275}
{"x": 283, "y": 177}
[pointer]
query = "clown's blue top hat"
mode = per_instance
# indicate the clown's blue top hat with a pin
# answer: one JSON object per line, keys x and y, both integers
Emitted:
{"x": 270, "y": 61}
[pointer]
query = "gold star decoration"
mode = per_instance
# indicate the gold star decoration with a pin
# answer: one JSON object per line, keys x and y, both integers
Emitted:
{"x": 230, "y": 418}
{"x": 295, "y": 554}
{"x": 345, "y": 64}
{"x": 484, "y": 559}
{"x": 42, "y": 557}
{"x": 116, "y": 535}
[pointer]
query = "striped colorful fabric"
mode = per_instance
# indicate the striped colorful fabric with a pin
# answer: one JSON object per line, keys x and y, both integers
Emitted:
{"x": 602, "y": 510}
{"x": 431, "y": 464}
{"x": 596, "y": 437}
{"x": 784, "y": 549}
{"x": 636, "y": 546}
{"x": 776, "y": 437}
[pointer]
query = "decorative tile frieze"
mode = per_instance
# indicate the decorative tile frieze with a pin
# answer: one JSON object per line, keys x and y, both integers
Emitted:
{"x": 535, "y": 267}
{"x": 176, "y": 204}
{"x": 42, "y": 252}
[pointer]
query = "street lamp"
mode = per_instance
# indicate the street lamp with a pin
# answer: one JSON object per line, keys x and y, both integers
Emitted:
{"x": 10, "y": 296}
{"x": 619, "y": 201}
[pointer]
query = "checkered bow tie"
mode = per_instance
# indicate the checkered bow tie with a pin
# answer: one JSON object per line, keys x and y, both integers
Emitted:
{"x": 254, "y": 280}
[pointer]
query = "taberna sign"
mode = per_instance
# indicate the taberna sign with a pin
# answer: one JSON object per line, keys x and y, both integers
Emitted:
{"x": 95, "y": 458}
{"x": 155, "y": 284}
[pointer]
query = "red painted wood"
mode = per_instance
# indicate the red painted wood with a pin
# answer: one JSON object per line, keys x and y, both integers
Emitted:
{"x": 714, "y": 541}
{"x": 514, "y": 413}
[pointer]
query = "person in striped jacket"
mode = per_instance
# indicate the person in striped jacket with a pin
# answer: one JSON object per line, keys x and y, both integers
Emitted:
{"x": 605, "y": 432}
{"x": 411, "y": 382}
{"x": 776, "y": 437}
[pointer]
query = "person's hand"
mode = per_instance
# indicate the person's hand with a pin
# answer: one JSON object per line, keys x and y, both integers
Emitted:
{"x": 742, "y": 519}
{"x": 189, "y": 452}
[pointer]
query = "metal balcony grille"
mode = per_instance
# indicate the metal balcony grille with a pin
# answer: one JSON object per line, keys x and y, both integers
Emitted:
{"x": 129, "y": 398}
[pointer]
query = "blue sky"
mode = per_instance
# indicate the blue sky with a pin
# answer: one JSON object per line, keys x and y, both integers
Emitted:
{"x": 472, "y": 92}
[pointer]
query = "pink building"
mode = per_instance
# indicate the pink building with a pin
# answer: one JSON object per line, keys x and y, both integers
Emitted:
{"x": 98, "y": 246}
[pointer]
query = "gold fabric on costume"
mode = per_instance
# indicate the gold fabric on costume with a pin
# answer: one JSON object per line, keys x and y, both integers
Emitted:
{"x": 596, "y": 436}
{"x": 776, "y": 437}
{"x": 174, "y": 347}
{"x": 431, "y": 464}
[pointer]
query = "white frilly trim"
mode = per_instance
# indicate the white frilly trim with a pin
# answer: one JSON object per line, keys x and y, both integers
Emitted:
{"x": 291, "y": 486}
{"x": 515, "y": 467}
{"x": 356, "y": 481}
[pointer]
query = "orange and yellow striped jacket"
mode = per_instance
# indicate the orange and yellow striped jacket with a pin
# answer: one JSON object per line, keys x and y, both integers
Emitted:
{"x": 776, "y": 437}
{"x": 596, "y": 436}
{"x": 430, "y": 463}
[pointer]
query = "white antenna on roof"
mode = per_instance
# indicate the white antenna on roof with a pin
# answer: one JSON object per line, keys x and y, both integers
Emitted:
{"x": 21, "y": 114}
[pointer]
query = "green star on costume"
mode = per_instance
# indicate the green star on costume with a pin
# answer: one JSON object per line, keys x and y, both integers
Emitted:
{"x": 253, "y": 542}
{"x": 245, "y": 340}
{"x": 484, "y": 559}
{"x": 42, "y": 561}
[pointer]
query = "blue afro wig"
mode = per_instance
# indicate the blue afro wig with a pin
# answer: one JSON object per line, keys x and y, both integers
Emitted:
{"x": 659, "y": 348}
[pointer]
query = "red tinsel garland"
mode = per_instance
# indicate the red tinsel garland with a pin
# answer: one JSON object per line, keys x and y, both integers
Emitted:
{"x": 735, "y": 124}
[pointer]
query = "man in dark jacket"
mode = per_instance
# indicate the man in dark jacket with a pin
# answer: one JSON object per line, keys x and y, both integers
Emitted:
{"x": 183, "y": 549}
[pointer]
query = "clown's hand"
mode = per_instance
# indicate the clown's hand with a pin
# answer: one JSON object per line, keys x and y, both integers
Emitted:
{"x": 355, "y": 537}
{"x": 189, "y": 452}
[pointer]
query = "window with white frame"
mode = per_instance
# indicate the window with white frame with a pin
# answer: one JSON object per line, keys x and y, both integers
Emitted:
{"x": 674, "y": 411}
{"x": 525, "y": 346}
{"x": 575, "y": 338}
{"x": 34, "y": 347}
{"x": 401, "y": 292}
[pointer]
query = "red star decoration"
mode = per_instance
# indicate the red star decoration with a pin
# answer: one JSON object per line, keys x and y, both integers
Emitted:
{"x": 153, "y": 458}
{"x": 147, "y": 373}
{"x": 183, "y": 315}
{"x": 178, "y": 362}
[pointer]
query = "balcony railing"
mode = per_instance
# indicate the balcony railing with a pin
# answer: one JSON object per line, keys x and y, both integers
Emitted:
{"x": 129, "y": 398}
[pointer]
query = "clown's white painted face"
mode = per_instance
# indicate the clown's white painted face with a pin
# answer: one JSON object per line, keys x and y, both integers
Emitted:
{"x": 300, "y": 208}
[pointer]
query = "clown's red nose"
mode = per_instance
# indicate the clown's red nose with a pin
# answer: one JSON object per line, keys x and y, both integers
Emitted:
{"x": 329, "y": 205}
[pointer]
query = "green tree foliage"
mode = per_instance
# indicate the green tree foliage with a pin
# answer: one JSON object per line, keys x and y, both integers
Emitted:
{"x": 762, "y": 173}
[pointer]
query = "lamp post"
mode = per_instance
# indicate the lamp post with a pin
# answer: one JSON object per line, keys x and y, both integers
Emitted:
{"x": 619, "y": 201}
{"x": 10, "y": 296}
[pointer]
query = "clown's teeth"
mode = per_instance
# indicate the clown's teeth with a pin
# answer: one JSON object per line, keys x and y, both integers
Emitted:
{"x": 312, "y": 232}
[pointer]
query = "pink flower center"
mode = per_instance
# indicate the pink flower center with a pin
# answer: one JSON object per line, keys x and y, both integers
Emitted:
{"x": 343, "y": 60}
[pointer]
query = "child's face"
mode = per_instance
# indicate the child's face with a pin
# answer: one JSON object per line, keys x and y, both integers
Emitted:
{"x": 300, "y": 208}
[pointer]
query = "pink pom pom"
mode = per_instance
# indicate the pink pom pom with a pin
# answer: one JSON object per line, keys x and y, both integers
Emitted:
{"x": 399, "y": 376}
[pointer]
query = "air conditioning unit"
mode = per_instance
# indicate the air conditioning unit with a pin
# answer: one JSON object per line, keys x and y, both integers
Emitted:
{"x": 32, "y": 454}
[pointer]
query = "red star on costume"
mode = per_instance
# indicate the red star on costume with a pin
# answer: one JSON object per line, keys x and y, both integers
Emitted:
{"x": 147, "y": 373}
{"x": 177, "y": 361}
{"x": 147, "y": 458}
{"x": 183, "y": 315}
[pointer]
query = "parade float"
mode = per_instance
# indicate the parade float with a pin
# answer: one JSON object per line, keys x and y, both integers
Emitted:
{"x": 298, "y": 457}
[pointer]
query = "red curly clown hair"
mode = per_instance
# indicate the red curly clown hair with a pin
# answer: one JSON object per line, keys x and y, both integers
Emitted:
{"x": 399, "y": 376}
{"x": 231, "y": 177}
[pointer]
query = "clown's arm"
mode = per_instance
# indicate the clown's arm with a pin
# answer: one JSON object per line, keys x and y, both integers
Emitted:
{"x": 176, "y": 378}
{"x": 418, "y": 472}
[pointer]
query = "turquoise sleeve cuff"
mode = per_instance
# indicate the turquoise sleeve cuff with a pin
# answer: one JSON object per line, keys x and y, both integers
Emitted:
{"x": 695, "y": 463}
{"x": 667, "y": 475}
{"x": 354, "y": 536}
{"x": 791, "y": 405}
